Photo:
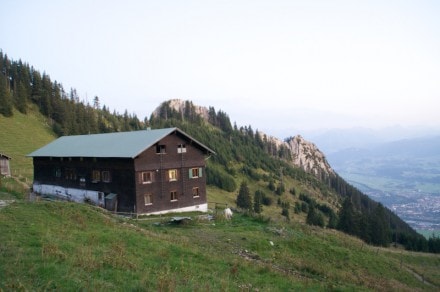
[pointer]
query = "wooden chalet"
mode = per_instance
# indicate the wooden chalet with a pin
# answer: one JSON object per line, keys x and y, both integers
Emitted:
{"x": 5, "y": 168}
{"x": 145, "y": 172}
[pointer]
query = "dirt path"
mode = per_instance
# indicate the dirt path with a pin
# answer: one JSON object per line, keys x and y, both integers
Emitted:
{"x": 420, "y": 278}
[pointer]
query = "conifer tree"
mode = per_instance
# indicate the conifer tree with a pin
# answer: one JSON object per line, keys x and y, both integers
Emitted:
{"x": 244, "y": 200}
{"x": 348, "y": 222}
{"x": 20, "y": 98}
{"x": 379, "y": 227}
{"x": 5, "y": 98}
{"x": 258, "y": 199}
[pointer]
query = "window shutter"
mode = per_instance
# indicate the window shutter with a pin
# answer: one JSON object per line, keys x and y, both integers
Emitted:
{"x": 190, "y": 173}
{"x": 200, "y": 172}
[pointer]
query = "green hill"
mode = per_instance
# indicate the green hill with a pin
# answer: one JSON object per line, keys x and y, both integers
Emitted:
{"x": 272, "y": 246}
{"x": 68, "y": 246}
{"x": 20, "y": 135}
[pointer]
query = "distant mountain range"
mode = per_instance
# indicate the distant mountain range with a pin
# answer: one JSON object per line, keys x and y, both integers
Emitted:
{"x": 334, "y": 140}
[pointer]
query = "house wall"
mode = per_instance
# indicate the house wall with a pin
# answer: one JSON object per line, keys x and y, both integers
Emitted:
{"x": 4, "y": 166}
{"x": 76, "y": 174}
{"x": 160, "y": 186}
{"x": 71, "y": 194}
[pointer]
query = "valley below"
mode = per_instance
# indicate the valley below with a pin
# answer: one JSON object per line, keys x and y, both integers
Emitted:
{"x": 419, "y": 209}
{"x": 402, "y": 175}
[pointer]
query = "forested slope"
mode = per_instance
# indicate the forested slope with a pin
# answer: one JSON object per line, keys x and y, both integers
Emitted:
{"x": 243, "y": 156}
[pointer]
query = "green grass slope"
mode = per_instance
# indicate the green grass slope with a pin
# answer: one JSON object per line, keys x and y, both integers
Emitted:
{"x": 68, "y": 246}
{"x": 20, "y": 135}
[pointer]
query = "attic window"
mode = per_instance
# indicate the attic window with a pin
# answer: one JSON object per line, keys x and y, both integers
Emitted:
{"x": 160, "y": 149}
{"x": 181, "y": 148}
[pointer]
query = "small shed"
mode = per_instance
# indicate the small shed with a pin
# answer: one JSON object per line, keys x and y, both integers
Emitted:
{"x": 5, "y": 169}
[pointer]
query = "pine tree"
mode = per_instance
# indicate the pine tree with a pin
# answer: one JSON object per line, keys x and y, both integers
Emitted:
{"x": 348, "y": 221}
{"x": 244, "y": 200}
{"x": 5, "y": 98}
{"x": 258, "y": 199}
{"x": 379, "y": 227}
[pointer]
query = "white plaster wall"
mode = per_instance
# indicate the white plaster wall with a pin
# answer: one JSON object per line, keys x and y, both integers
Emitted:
{"x": 71, "y": 194}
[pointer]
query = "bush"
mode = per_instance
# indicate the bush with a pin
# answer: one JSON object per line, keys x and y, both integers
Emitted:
{"x": 315, "y": 217}
{"x": 285, "y": 213}
{"x": 267, "y": 201}
{"x": 220, "y": 179}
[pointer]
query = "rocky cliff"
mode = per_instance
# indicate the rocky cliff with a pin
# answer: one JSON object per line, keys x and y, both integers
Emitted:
{"x": 307, "y": 156}
{"x": 304, "y": 154}
{"x": 181, "y": 106}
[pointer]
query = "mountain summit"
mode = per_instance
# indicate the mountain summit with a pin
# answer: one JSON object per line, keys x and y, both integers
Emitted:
{"x": 302, "y": 153}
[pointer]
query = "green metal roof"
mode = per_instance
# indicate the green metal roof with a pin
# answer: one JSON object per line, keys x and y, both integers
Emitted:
{"x": 116, "y": 145}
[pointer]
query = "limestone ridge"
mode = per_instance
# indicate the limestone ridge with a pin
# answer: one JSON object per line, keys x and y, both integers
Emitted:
{"x": 181, "y": 106}
{"x": 307, "y": 156}
{"x": 304, "y": 154}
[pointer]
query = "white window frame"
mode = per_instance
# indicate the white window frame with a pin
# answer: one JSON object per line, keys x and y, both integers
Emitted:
{"x": 196, "y": 192}
{"x": 181, "y": 148}
{"x": 144, "y": 177}
{"x": 172, "y": 175}
{"x": 148, "y": 199}
{"x": 173, "y": 196}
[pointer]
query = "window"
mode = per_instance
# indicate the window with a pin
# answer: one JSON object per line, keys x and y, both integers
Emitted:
{"x": 172, "y": 174}
{"x": 173, "y": 196}
{"x": 57, "y": 172}
{"x": 160, "y": 149}
{"x": 148, "y": 199}
{"x": 147, "y": 177}
{"x": 106, "y": 176}
{"x": 181, "y": 148}
{"x": 82, "y": 182}
{"x": 96, "y": 176}
{"x": 195, "y": 172}
{"x": 195, "y": 192}
{"x": 70, "y": 174}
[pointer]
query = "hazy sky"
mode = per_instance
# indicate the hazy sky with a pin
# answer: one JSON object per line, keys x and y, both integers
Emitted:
{"x": 276, "y": 65}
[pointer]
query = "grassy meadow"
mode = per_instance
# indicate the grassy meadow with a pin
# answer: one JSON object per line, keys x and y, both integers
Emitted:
{"x": 47, "y": 245}
{"x": 68, "y": 246}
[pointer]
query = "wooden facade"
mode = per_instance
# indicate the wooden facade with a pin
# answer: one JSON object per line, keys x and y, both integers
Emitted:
{"x": 5, "y": 168}
{"x": 168, "y": 175}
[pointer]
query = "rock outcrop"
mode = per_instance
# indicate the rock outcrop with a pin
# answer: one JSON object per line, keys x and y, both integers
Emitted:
{"x": 308, "y": 157}
{"x": 304, "y": 154}
{"x": 180, "y": 106}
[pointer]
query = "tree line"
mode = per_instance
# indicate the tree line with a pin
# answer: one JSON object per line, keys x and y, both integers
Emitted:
{"x": 22, "y": 86}
{"x": 359, "y": 215}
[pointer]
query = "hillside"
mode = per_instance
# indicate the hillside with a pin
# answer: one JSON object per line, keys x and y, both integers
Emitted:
{"x": 289, "y": 199}
{"x": 272, "y": 166}
{"x": 67, "y": 246}
{"x": 20, "y": 135}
